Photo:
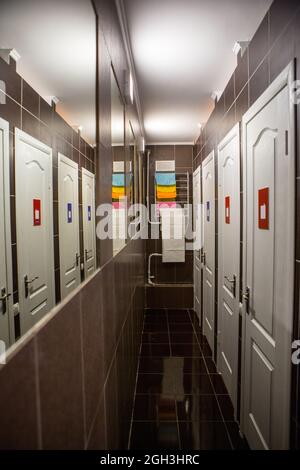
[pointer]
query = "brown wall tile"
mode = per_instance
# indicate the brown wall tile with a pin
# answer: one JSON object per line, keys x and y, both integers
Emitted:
{"x": 61, "y": 380}
{"x": 18, "y": 410}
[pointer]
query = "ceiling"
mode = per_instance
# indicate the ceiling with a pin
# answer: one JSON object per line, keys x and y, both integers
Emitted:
{"x": 57, "y": 43}
{"x": 182, "y": 52}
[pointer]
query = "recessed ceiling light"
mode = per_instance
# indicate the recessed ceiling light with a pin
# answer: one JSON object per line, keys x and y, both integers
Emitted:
{"x": 236, "y": 48}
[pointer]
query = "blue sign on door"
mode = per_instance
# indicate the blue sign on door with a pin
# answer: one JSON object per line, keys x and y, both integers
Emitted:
{"x": 208, "y": 211}
{"x": 89, "y": 213}
{"x": 70, "y": 215}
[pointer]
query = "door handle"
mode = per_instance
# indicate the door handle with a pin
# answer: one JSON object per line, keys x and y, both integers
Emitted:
{"x": 203, "y": 258}
{"x": 77, "y": 259}
{"x": 233, "y": 283}
{"x": 27, "y": 283}
{"x": 4, "y": 297}
{"x": 246, "y": 297}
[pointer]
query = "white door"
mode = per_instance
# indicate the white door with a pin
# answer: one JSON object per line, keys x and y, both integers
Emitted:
{"x": 6, "y": 320}
{"x": 69, "y": 247}
{"x": 208, "y": 199}
{"x": 198, "y": 240}
{"x": 34, "y": 218}
{"x": 229, "y": 259}
{"x": 269, "y": 162}
{"x": 89, "y": 228}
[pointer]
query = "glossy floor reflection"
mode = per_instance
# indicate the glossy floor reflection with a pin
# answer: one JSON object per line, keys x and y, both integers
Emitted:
{"x": 181, "y": 402}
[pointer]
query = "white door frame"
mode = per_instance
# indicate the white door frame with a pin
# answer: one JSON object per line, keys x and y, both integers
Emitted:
{"x": 210, "y": 157}
{"x": 234, "y": 132}
{"x": 285, "y": 78}
{"x": 21, "y": 136}
{"x": 4, "y": 126}
{"x": 197, "y": 252}
{"x": 89, "y": 174}
{"x": 67, "y": 161}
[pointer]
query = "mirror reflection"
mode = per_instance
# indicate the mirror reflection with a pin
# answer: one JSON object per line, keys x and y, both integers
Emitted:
{"x": 47, "y": 146}
{"x": 120, "y": 171}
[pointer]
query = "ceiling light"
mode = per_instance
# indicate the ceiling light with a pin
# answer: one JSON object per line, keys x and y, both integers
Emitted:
{"x": 240, "y": 47}
{"x": 216, "y": 95}
{"x": 131, "y": 87}
{"x": 236, "y": 48}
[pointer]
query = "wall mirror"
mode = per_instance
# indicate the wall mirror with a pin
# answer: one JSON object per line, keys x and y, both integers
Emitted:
{"x": 47, "y": 125}
{"x": 119, "y": 171}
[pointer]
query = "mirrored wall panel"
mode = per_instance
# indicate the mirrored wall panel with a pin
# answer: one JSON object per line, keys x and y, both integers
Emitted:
{"x": 47, "y": 155}
{"x": 119, "y": 175}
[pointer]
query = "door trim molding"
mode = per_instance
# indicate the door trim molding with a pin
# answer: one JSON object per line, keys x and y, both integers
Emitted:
{"x": 209, "y": 158}
{"x": 67, "y": 161}
{"x": 89, "y": 174}
{"x": 235, "y": 131}
{"x": 21, "y": 136}
{"x": 4, "y": 126}
{"x": 285, "y": 78}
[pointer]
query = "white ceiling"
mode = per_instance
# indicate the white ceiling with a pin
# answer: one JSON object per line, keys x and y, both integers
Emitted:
{"x": 182, "y": 52}
{"x": 57, "y": 43}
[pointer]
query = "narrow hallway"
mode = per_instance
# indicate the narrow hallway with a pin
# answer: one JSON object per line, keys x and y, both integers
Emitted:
{"x": 181, "y": 401}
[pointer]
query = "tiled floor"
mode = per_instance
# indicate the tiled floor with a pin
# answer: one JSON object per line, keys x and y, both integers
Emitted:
{"x": 180, "y": 402}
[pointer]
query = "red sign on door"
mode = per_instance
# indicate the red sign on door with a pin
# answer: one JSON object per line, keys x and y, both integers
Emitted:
{"x": 263, "y": 209}
{"x": 37, "y": 216}
{"x": 227, "y": 210}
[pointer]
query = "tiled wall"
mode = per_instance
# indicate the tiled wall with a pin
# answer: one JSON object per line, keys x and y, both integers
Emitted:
{"x": 69, "y": 382}
{"x": 177, "y": 296}
{"x": 24, "y": 109}
{"x": 274, "y": 45}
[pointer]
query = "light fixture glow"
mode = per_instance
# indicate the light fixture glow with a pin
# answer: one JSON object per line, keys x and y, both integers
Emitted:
{"x": 131, "y": 87}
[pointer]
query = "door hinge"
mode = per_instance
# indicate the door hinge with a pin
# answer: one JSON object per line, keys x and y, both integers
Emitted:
{"x": 246, "y": 297}
{"x": 3, "y": 298}
{"x": 286, "y": 142}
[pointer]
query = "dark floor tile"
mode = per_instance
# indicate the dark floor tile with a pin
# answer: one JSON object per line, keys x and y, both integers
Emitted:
{"x": 206, "y": 350}
{"x": 155, "y": 383}
{"x": 192, "y": 384}
{"x": 154, "y": 408}
{"x": 211, "y": 367}
{"x": 158, "y": 350}
{"x": 192, "y": 365}
{"x": 203, "y": 436}
{"x": 218, "y": 384}
{"x": 155, "y": 312}
{"x": 226, "y": 407}
{"x": 183, "y": 338}
{"x": 154, "y": 436}
{"x": 178, "y": 316}
{"x": 180, "y": 327}
{"x": 186, "y": 350}
{"x": 158, "y": 338}
{"x": 198, "y": 408}
{"x": 238, "y": 442}
{"x": 151, "y": 319}
{"x": 152, "y": 364}
{"x": 156, "y": 327}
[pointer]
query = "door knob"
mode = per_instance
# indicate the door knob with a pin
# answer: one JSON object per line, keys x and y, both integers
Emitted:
{"x": 27, "y": 283}
{"x": 4, "y": 297}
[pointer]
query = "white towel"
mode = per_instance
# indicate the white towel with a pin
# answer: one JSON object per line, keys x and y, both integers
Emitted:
{"x": 173, "y": 235}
